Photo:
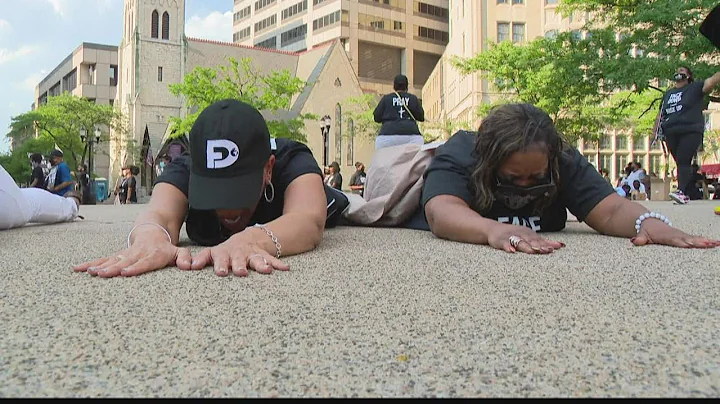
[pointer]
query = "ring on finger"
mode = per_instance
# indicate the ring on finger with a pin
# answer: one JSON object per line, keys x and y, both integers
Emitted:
{"x": 515, "y": 241}
{"x": 258, "y": 255}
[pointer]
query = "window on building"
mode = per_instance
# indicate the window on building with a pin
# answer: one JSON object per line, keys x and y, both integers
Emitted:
{"x": 351, "y": 143}
{"x": 592, "y": 158}
{"x": 160, "y": 75}
{"x": 266, "y": 23}
{"x": 433, "y": 34}
{"x": 113, "y": 75}
{"x": 621, "y": 143}
{"x": 294, "y": 9}
{"x": 154, "y": 24}
{"x": 338, "y": 133}
{"x": 518, "y": 32}
{"x": 606, "y": 162}
{"x": 639, "y": 143}
{"x": 655, "y": 165}
{"x": 605, "y": 142}
{"x": 270, "y": 43}
{"x": 166, "y": 26}
{"x": 503, "y": 31}
{"x": 552, "y": 34}
{"x": 621, "y": 161}
{"x": 327, "y": 20}
{"x": 112, "y": 102}
{"x": 240, "y": 35}
{"x": 502, "y": 1}
{"x": 518, "y": 1}
{"x": 551, "y": 2}
{"x": 242, "y": 14}
{"x": 293, "y": 35}
{"x": 69, "y": 82}
{"x": 260, "y": 4}
{"x": 91, "y": 74}
{"x": 433, "y": 11}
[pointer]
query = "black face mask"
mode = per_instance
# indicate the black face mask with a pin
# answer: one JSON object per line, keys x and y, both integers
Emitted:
{"x": 680, "y": 77}
{"x": 515, "y": 197}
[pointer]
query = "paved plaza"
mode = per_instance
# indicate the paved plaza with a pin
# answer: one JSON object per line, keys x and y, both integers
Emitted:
{"x": 372, "y": 312}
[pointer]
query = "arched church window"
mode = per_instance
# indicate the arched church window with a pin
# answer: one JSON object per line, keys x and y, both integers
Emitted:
{"x": 155, "y": 23}
{"x": 166, "y": 26}
{"x": 338, "y": 133}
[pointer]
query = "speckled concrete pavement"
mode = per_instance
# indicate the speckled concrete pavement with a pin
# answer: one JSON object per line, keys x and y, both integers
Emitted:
{"x": 372, "y": 312}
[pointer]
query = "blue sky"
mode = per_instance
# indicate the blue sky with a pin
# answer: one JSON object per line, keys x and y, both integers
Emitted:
{"x": 36, "y": 35}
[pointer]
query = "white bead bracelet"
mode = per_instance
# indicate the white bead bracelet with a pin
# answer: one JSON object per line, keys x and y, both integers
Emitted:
{"x": 650, "y": 215}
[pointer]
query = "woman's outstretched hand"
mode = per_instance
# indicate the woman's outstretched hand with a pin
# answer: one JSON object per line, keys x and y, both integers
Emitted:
{"x": 238, "y": 254}
{"x": 529, "y": 241}
{"x": 138, "y": 259}
{"x": 657, "y": 232}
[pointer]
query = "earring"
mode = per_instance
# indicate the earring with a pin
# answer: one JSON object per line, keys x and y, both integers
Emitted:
{"x": 270, "y": 198}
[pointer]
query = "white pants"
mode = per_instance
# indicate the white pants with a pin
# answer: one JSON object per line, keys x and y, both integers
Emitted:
{"x": 396, "y": 140}
{"x": 20, "y": 206}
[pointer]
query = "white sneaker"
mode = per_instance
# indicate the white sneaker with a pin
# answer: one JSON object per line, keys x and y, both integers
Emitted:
{"x": 679, "y": 197}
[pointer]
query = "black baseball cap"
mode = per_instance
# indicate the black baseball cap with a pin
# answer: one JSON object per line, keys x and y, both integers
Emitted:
{"x": 229, "y": 147}
{"x": 56, "y": 153}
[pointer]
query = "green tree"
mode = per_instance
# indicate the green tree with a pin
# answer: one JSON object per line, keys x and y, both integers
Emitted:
{"x": 550, "y": 74}
{"x": 62, "y": 118}
{"x": 242, "y": 80}
{"x": 17, "y": 162}
{"x": 711, "y": 146}
{"x": 655, "y": 37}
{"x": 359, "y": 110}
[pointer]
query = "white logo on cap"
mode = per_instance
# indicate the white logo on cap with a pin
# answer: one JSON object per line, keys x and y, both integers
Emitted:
{"x": 215, "y": 156}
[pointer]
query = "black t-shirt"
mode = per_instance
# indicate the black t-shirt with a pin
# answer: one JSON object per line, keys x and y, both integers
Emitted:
{"x": 682, "y": 109}
{"x": 581, "y": 186}
{"x": 37, "y": 173}
{"x": 125, "y": 185}
{"x": 395, "y": 118}
{"x": 292, "y": 159}
{"x": 358, "y": 178}
{"x": 334, "y": 181}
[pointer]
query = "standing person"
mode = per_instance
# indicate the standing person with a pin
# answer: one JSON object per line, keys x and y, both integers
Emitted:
{"x": 83, "y": 183}
{"x": 516, "y": 177}
{"x": 334, "y": 179}
{"x": 399, "y": 112}
{"x": 20, "y": 206}
{"x": 128, "y": 186}
{"x": 249, "y": 198}
{"x": 164, "y": 161}
{"x": 606, "y": 176}
{"x": 37, "y": 178}
{"x": 682, "y": 124}
{"x": 357, "y": 180}
{"x": 59, "y": 181}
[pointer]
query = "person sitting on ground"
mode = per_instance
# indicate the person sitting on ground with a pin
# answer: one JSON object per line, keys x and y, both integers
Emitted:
{"x": 399, "y": 112}
{"x": 638, "y": 191}
{"x": 250, "y": 197}
{"x": 357, "y": 181}
{"x": 624, "y": 191}
{"x": 37, "y": 177}
{"x": 516, "y": 177}
{"x": 20, "y": 206}
{"x": 334, "y": 179}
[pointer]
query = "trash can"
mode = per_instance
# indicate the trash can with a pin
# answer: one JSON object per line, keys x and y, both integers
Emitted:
{"x": 101, "y": 189}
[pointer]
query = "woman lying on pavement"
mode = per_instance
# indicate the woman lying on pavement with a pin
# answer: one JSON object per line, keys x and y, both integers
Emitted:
{"x": 252, "y": 198}
{"x": 516, "y": 177}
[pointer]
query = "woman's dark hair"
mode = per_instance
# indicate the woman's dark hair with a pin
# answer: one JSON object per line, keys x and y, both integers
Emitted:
{"x": 335, "y": 166}
{"x": 506, "y": 130}
{"x": 36, "y": 158}
{"x": 690, "y": 73}
{"x": 400, "y": 83}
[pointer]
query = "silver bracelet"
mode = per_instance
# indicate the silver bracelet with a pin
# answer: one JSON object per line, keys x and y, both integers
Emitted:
{"x": 650, "y": 215}
{"x": 151, "y": 223}
{"x": 274, "y": 239}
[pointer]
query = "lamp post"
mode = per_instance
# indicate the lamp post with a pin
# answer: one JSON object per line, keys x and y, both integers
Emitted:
{"x": 89, "y": 194}
{"x": 325, "y": 122}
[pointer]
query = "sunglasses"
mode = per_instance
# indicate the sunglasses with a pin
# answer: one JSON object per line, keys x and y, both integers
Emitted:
{"x": 536, "y": 191}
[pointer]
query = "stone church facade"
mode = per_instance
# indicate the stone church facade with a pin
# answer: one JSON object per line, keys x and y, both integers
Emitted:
{"x": 155, "y": 53}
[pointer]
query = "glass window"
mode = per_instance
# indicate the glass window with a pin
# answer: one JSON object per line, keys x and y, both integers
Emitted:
{"x": 518, "y": 33}
{"x": 621, "y": 161}
{"x": 639, "y": 143}
{"x": 621, "y": 143}
{"x": 503, "y": 31}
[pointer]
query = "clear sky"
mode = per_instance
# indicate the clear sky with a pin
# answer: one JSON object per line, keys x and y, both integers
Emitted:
{"x": 36, "y": 35}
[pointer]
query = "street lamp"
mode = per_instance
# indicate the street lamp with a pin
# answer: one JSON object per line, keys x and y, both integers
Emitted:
{"x": 89, "y": 194}
{"x": 325, "y": 131}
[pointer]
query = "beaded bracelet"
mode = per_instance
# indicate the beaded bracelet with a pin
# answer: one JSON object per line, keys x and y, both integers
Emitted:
{"x": 651, "y": 215}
